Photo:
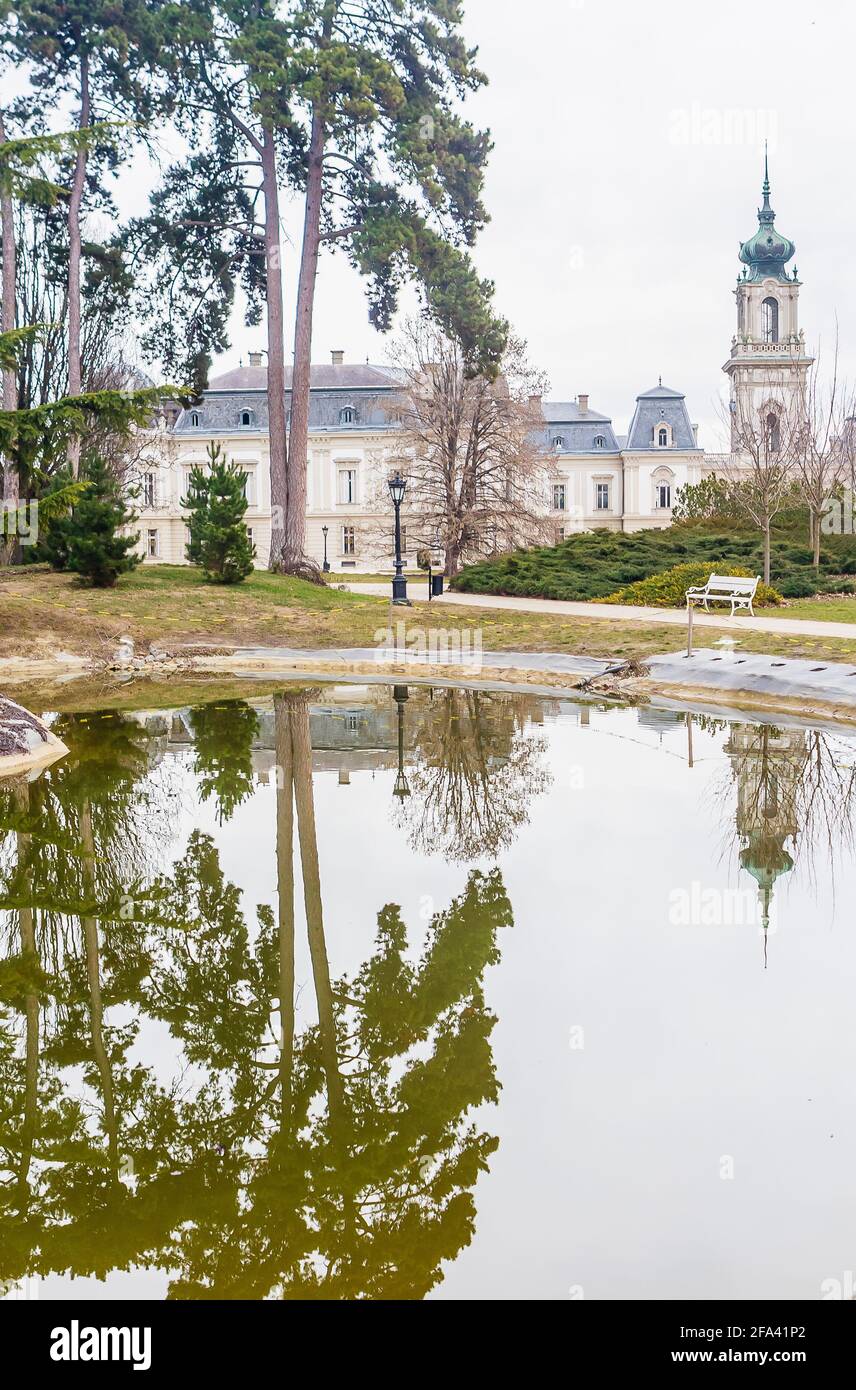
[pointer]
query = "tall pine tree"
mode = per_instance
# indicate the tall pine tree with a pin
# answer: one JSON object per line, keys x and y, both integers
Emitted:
{"x": 99, "y": 545}
{"x": 216, "y": 503}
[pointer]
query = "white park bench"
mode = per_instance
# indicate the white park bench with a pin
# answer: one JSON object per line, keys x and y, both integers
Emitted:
{"x": 725, "y": 588}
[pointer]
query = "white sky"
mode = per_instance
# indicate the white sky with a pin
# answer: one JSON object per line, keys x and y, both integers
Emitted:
{"x": 627, "y": 167}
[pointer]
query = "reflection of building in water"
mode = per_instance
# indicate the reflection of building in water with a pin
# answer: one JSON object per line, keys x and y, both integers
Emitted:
{"x": 768, "y": 766}
{"x": 353, "y": 728}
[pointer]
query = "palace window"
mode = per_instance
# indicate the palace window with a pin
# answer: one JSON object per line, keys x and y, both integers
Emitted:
{"x": 559, "y": 441}
{"x": 599, "y": 441}
{"x": 601, "y": 497}
{"x": 770, "y": 320}
{"x": 558, "y": 497}
{"x": 349, "y": 540}
{"x": 774, "y": 434}
{"x": 662, "y": 437}
{"x": 194, "y": 419}
{"x": 663, "y": 495}
{"x": 347, "y": 485}
{"x": 148, "y": 489}
{"x": 246, "y": 417}
{"x": 249, "y": 484}
{"x": 348, "y": 415}
{"x": 153, "y": 544}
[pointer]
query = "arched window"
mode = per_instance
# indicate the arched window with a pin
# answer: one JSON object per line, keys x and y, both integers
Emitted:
{"x": 770, "y": 320}
{"x": 558, "y": 441}
{"x": 663, "y": 495}
{"x": 773, "y": 433}
{"x": 246, "y": 417}
{"x": 347, "y": 415}
{"x": 599, "y": 441}
{"x": 194, "y": 419}
{"x": 662, "y": 437}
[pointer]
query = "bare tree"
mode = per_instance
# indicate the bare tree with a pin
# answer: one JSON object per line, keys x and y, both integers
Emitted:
{"x": 478, "y": 473}
{"x": 821, "y": 464}
{"x": 766, "y": 433}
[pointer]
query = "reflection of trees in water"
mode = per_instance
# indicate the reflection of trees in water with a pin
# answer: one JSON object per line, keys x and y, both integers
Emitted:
{"x": 223, "y": 734}
{"x": 329, "y": 1161}
{"x": 477, "y": 768}
{"x": 74, "y": 847}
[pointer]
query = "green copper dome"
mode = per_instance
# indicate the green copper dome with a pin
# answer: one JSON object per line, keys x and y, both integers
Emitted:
{"x": 767, "y": 251}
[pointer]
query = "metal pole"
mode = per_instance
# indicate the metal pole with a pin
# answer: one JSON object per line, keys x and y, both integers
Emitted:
{"x": 399, "y": 583}
{"x": 689, "y": 628}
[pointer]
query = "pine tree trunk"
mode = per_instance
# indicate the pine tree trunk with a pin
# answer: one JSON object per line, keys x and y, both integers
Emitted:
{"x": 285, "y": 903}
{"x": 96, "y": 1004}
{"x": 294, "y": 558}
{"x": 11, "y": 482}
{"x": 301, "y": 743}
{"x": 75, "y": 374}
{"x": 26, "y": 919}
{"x": 278, "y": 441}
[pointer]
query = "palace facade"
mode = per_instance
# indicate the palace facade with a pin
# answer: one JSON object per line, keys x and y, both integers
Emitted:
{"x": 598, "y": 478}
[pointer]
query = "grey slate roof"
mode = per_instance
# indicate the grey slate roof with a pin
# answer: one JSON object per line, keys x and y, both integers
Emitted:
{"x": 366, "y": 390}
{"x": 660, "y": 403}
{"x": 577, "y": 429}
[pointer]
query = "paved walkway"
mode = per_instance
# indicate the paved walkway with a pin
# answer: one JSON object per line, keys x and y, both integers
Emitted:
{"x": 670, "y": 617}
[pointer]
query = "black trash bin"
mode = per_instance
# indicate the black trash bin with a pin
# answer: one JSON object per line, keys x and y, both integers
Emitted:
{"x": 436, "y": 585}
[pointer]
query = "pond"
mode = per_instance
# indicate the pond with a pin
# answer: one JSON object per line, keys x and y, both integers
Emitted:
{"x": 393, "y": 992}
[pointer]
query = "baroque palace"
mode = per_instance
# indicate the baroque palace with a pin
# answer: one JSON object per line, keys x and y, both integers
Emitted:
{"x": 598, "y": 478}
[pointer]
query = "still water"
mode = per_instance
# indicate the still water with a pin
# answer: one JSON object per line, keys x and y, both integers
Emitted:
{"x": 395, "y": 992}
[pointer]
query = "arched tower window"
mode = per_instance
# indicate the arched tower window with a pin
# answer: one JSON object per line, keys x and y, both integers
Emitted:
{"x": 774, "y": 434}
{"x": 770, "y": 319}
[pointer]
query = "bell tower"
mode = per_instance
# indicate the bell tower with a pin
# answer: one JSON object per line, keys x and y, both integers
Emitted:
{"x": 768, "y": 365}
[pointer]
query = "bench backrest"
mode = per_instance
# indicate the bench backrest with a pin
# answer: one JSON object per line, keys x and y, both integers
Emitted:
{"x": 730, "y": 584}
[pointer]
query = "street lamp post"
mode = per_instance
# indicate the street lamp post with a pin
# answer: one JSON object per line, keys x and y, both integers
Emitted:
{"x": 401, "y": 789}
{"x": 326, "y": 565}
{"x": 397, "y": 489}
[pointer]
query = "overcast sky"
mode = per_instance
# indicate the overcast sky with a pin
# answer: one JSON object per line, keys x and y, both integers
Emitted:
{"x": 627, "y": 167}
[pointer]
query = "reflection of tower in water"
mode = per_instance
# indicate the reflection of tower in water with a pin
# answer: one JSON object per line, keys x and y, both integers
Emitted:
{"x": 768, "y": 766}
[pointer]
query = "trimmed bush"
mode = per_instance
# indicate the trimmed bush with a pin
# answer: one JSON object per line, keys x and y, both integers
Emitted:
{"x": 668, "y": 590}
{"x": 595, "y": 564}
{"x": 796, "y": 586}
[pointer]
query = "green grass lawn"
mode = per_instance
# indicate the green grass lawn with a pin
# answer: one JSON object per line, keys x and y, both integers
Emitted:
{"x": 829, "y": 610}
{"x": 42, "y": 613}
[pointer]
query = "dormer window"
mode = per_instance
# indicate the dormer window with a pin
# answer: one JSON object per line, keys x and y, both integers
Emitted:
{"x": 246, "y": 418}
{"x": 559, "y": 441}
{"x": 599, "y": 441}
{"x": 348, "y": 415}
{"x": 194, "y": 419}
{"x": 662, "y": 437}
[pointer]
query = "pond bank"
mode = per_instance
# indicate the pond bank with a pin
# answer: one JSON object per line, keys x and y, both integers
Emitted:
{"x": 824, "y": 690}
